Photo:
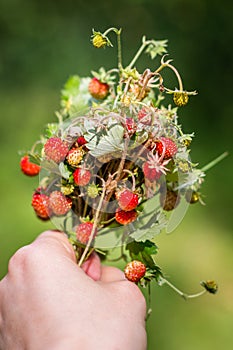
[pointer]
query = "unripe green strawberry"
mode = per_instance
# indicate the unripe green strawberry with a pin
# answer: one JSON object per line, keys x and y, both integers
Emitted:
{"x": 59, "y": 204}
{"x": 127, "y": 200}
{"x": 125, "y": 217}
{"x": 29, "y": 168}
{"x": 98, "y": 89}
{"x": 135, "y": 270}
{"x": 83, "y": 232}
{"x": 55, "y": 149}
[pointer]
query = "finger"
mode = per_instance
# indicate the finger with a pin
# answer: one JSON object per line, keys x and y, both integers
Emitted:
{"x": 92, "y": 267}
{"x": 57, "y": 243}
{"x": 111, "y": 274}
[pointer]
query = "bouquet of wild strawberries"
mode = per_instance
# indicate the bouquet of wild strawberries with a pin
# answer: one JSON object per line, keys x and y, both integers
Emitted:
{"x": 115, "y": 168}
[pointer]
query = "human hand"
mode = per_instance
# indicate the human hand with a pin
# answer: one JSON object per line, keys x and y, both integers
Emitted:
{"x": 48, "y": 302}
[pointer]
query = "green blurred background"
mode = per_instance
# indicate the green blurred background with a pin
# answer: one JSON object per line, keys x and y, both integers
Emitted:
{"x": 42, "y": 43}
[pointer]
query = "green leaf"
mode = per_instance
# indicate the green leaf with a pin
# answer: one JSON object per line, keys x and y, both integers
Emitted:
{"x": 111, "y": 142}
{"x": 65, "y": 172}
{"x": 52, "y": 129}
{"x": 156, "y": 47}
{"x": 75, "y": 95}
{"x": 143, "y": 252}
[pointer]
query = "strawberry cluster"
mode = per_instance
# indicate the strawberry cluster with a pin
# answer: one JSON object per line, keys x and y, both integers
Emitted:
{"x": 116, "y": 162}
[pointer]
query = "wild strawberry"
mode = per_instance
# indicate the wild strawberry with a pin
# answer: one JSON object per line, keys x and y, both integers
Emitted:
{"x": 151, "y": 173}
{"x": 59, "y": 204}
{"x": 81, "y": 176}
{"x": 40, "y": 203}
{"x": 144, "y": 116}
{"x": 125, "y": 217}
{"x": 98, "y": 89}
{"x": 130, "y": 125}
{"x": 154, "y": 167}
{"x": 29, "y": 168}
{"x": 166, "y": 148}
{"x": 55, "y": 149}
{"x": 169, "y": 200}
{"x": 81, "y": 140}
{"x": 83, "y": 232}
{"x": 127, "y": 200}
{"x": 135, "y": 270}
{"x": 75, "y": 156}
{"x": 93, "y": 190}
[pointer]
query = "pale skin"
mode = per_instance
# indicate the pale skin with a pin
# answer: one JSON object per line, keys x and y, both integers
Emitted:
{"x": 48, "y": 302}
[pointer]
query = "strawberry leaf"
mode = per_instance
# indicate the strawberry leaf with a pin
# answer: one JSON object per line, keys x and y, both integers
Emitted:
{"x": 112, "y": 142}
{"x": 156, "y": 47}
{"x": 143, "y": 252}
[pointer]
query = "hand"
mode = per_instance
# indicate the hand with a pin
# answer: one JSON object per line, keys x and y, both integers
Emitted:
{"x": 48, "y": 302}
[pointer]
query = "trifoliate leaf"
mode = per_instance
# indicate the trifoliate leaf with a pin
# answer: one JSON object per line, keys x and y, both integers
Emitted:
{"x": 111, "y": 142}
{"x": 157, "y": 47}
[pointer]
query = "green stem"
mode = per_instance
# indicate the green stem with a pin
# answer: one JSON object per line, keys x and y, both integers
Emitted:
{"x": 119, "y": 50}
{"x": 214, "y": 162}
{"x": 183, "y": 295}
{"x": 138, "y": 53}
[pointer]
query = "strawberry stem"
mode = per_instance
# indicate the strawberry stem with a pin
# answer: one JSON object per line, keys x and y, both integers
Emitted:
{"x": 214, "y": 162}
{"x": 96, "y": 220}
{"x": 183, "y": 295}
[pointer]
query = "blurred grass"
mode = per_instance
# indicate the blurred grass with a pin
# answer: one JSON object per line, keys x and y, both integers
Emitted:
{"x": 41, "y": 44}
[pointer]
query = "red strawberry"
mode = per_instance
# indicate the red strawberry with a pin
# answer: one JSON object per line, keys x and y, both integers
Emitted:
{"x": 55, "y": 149}
{"x": 131, "y": 125}
{"x": 144, "y": 116}
{"x": 29, "y": 168}
{"x": 170, "y": 147}
{"x": 125, "y": 217}
{"x": 127, "y": 200}
{"x": 135, "y": 270}
{"x": 98, "y": 89}
{"x": 151, "y": 173}
{"x": 40, "y": 203}
{"x": 59, "y": 204}
{"x": 81, "y": 176}
{"x": 81, "y": 140}
{"x": 83, "y": 232}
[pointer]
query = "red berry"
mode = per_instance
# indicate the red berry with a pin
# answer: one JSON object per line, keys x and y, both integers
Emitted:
{"x": 127, "y": 200}
{"x": 29, "y": 168}
{"x": 150, "y": 172}
{"x": 144, "y": 116}
{"x": 131, "y": 125}
{"x": 40, "y": 203}
{"x": 59, "y": 204}
{"x": 170, "y": 147}
{"x": 98, "y": 89}
{"x": 81, "y": 176}
{"x": 55, "y": 149}
{"x": 125, "y": 217}
{"x": 81, "y": 140}
{"x": 135, "y": 270}
{"x": 84, "y": 230}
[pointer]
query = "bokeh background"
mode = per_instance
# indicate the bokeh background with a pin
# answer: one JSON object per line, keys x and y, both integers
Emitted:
{"x": 41, "y": 44}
